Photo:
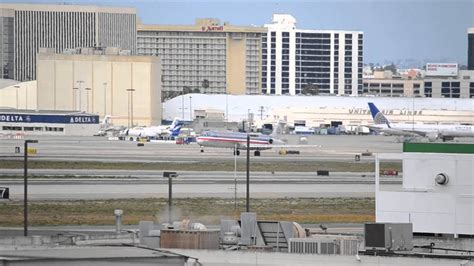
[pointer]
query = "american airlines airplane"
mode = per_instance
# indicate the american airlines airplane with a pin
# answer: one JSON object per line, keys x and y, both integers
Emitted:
{"x": 238, "y": 141}
{"x": 432, "y": 132}
{"x": 155, "y": 132}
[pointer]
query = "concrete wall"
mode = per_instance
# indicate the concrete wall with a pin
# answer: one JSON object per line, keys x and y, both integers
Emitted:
{"x": 99, "y": 84}
{"x": 236, "y": 64}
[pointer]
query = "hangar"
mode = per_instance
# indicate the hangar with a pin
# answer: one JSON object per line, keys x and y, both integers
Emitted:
{"x": 28, "y": 122}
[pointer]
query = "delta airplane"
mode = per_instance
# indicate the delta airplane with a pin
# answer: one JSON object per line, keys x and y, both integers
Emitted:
{"x": 238, "y": 141}
{"x": 432, "y": 132}
{"x": 155, "y": 132}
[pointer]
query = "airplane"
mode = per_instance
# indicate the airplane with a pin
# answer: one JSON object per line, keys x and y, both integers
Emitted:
{"x": 154, "y": 132}
{"x": 432, "y": 132}
{"x": 238, "y": 141}
{"x": 105, "y": 127}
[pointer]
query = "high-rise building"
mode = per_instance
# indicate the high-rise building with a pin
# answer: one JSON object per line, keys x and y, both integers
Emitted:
{"x": 317, "y": 61}
{"x": 209, "y": 56}
{"x": 29, "y": 27}
{"x": 470, "y": 49}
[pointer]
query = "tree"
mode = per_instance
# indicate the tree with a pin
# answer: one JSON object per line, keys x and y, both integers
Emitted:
{"x": 205, "y": 84}
{"x": 392, "y": 67}
{"x": 310, "y": 89}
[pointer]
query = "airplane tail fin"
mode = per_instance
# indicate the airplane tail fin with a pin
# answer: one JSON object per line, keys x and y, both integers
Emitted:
{"x": 378, "y": 116}
{"x": 174, "y": 132}
{"x": 176, "y": 122}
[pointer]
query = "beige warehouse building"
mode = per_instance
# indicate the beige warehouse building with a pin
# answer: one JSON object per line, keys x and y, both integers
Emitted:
{"x": 127, "y": 88}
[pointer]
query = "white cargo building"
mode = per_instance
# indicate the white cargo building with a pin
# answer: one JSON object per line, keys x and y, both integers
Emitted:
{"x": 311, "y": 111}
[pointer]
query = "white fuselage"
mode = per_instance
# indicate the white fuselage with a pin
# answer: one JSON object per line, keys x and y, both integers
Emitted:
{"x": 426, "y": 130}
{"x": 234, "y": 140}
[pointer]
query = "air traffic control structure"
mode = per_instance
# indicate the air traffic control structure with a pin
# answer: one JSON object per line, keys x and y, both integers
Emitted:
{"x": 437, "y": 193}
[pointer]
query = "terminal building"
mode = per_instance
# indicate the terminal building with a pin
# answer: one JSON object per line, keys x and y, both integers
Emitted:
{"x": 15, "y": 123}
{"x": 25, "y": 28}
{"x": 327, "y": 61}
{"x": 209, "y": 56}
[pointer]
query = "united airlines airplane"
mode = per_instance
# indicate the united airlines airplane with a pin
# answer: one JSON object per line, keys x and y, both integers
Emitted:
{"x": 432, "y": 132}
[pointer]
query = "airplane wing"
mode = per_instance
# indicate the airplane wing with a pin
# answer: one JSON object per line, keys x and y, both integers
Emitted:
{"x": 271, "y": 146}
{"x": 417, "y": 132}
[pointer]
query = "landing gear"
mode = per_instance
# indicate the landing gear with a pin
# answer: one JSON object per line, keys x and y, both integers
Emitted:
{"x": 236, "y": 152}
{"x": 256, "y": 153}
{"x": 202, "y": 149}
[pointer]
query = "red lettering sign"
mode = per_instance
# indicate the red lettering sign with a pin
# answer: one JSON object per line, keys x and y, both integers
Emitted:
{"x": 212, "y": 28}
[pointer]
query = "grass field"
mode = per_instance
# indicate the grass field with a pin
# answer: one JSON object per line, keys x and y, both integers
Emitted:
{"x": 205, "y": 210}
{"x": 286, "y": 166}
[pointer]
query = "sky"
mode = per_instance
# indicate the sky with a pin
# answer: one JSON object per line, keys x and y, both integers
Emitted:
{"x": 394, "y": 30}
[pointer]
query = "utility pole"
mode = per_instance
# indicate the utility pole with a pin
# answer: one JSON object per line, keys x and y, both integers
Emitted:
{"x": 261, "y": 109}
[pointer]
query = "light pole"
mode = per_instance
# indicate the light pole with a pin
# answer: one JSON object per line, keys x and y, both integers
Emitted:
{"x": 74, "y": 98}
{"x": 26, "y": 92}
{"x": 87, "y": 90}
{"x": 170, "y": 176}
{"x": 226, "y": 107}
{"x": 130, "y": 107}
{"x": 80, "y": 96}
{"x": 105, "y": 98}
{"x": 182, "y": 103}
{"x": 190, "y": 109}
{"x": 25, "y": 183}
{"x": 16, "y": 87}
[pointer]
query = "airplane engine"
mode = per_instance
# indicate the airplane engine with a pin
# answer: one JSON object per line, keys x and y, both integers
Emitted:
{"x": 270, "y": 141}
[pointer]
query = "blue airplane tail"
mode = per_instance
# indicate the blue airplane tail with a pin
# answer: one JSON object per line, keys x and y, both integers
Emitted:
{"x": 378, "y": 116}
{"x": 175, "y": 131}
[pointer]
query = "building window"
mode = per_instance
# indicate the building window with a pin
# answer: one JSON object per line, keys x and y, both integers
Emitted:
{"x": 471, "y": 90}
{"x": 428, "y": 89}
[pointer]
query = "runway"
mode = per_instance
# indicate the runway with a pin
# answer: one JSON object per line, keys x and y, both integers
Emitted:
{"x": 94, "y": 190}
{"x": 340, "y": 148}
{"x": 98, "y": 184}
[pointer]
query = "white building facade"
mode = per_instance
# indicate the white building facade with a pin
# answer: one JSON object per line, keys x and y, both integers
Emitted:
{"x": 328, "y": 61}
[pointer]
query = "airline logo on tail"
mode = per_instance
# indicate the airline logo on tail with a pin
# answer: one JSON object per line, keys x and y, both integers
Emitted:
{"x": 378, "y": 117}
{"x": 176, "y": 127}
